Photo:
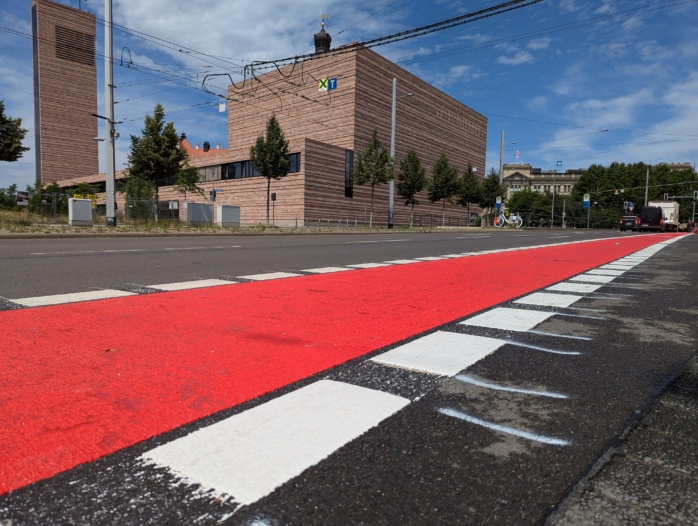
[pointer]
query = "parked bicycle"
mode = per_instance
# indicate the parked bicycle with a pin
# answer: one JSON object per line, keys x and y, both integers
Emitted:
{"x": 505, "y": 218}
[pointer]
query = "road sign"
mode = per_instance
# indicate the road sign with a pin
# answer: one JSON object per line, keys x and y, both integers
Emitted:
{"x": 498, "y": 204}
{"x": 559, "y": 163}
{"x": 585, "y": 202}
{"x": 631, "y": 206}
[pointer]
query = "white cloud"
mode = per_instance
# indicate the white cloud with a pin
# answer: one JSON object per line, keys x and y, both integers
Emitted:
{"x": 539, "y": 43}
{"x": 520, "y": 57}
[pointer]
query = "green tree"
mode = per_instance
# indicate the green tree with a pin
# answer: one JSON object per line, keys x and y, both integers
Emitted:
{"x": 269, "y": 155}
{"x": 11, "y": 137}
{"x": 373, "y": 167}
{"x": 469, "y": 189}
{"x": 187, "y": 181}
{"x": 8, "y": 197}
{"x": 491, "y": 189}
{"x": 443, "y": 184}
{"x": 156, "y": 155}
{"x": 411, "y": 179}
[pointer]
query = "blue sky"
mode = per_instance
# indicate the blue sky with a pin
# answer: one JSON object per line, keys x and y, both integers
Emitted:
{"x": 554, "y": 76}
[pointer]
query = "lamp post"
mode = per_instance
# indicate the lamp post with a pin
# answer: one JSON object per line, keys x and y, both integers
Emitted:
{"x": 552, "y": 210}
{"x": 391, "y": 183}
{"x": 111, "y": 135}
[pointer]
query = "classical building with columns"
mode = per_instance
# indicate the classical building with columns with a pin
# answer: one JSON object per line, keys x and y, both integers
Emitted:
{"x": 517, "y": 177}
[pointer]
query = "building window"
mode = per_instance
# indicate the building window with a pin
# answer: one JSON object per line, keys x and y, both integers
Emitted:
{"x": 348, "y": 173}
{"x": 295, "y": 164}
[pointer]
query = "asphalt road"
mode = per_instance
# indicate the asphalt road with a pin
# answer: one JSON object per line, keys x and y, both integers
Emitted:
{"x": 46, "y": 266}
{"x": 576, "y": 384}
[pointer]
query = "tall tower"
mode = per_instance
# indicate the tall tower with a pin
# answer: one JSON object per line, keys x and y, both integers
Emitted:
{"x": 65, "y": 92}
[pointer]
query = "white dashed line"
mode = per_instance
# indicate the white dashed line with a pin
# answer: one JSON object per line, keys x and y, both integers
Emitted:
{"x": 574, "y": 287}
{"x": 369, "y": 265}
{"x": 252, "y": 453}
{"x": 593, "y": 278}
{"x": 325, "y": 270}
{"x": 402, "y": 261}
{"x": 270, "y": 275}
{"x": 73, "y": 297}
{"x": 186, "y": 285}
{"x": 442, "y": 353}
{"x": 545, "y": 299}
{"x": 508, "y": 319}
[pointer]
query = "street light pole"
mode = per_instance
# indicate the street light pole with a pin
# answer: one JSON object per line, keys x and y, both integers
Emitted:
{"x": 501, "y": 158}
{"x": 552, "y": 211}
{"x": 391, "y": 183}
{"x": 109, "y": 146}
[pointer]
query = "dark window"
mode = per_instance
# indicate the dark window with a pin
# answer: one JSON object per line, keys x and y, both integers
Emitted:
{"x": 348, "y": 173}
{"x": 295, "y": 164}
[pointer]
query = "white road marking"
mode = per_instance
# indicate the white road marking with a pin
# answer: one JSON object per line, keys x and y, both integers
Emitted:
{"x": 129, "y": 250}
{"x": 326, "y": 270}
{"x": 402, "y": 261}
{"x": 72, "y": 297}
{"x": 496, "y": 387}
{"x": 369, "y": 265}
{"x": 574, "y": 287}
{"x": 377, "y": 241}
{"x": 252, "y": 453}
{"x": 545, "y": 299}
{"x": 509, "y": 319}
{"x": 442, "y": 353}
{"x": 195, "y": 284}
{"x": 503, "y": 429}
{"x": 270, "y": 275}
{"x": 606, "y": 272}
{"x": 590, "y": 278}
{"x": 430, "y": 258}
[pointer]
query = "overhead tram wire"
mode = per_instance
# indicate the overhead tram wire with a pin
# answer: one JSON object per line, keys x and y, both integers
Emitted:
{"x": 404, "y": 35}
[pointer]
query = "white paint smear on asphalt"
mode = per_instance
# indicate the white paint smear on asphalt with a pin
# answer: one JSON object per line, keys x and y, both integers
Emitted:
{"x": 270, "y": 275}
{"x": 442, "y": 353}
{"x": 250, "y": 454}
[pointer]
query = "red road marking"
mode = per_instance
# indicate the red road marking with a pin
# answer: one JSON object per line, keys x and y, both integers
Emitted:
{"x": 83, "y": 380}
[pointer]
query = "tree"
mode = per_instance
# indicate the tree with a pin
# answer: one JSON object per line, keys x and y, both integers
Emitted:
{"x": 187, "y": 181}
{"x": 269, "y": 155}
{"x": 373, "y": 167}
{"x": 443, "y": 184}
{"x": 11, "y": 137}
{"x": 469, "y": 189}
{"x": 411, "y": 179}
{"x": 156, "y": 155}
{"x": 491, "y": 189}
{"x": 8, "y": 197}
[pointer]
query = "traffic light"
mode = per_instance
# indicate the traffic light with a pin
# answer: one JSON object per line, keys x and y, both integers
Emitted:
{"x": 695, "y": 194}
{"x": 212, "y": 195}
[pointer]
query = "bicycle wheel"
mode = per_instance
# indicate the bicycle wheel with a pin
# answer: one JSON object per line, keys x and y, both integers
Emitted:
{"x": 519, "y": 222}
{"x": 498, "y": 221}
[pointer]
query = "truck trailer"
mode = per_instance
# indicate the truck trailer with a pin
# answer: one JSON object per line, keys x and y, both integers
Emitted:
{"x": 670, "y": 213}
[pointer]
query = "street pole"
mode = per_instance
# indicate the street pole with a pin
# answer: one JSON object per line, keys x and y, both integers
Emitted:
{"x": 501, "y": 158}
{"x": 552, "y": 211}
{"x": 391, "y": 183}
{"x": 109, "y": 146}
{"x": 647, "y": 183}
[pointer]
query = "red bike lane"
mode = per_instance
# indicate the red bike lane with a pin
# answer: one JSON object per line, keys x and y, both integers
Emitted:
{"x": 83, "y": 380}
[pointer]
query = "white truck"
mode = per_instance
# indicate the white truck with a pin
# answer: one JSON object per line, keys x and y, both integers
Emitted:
{"x": 670, "y": 213}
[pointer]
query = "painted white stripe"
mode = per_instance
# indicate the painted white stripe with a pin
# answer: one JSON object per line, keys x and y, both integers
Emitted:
{"x": 549, "y": 300}
{"x": 509, "y": 319}
{"x": 605, "y": 272}
{"x": 503, "y": 429}
{"x": 402, "y": 261}
{"x": 270, "y": 275}
{"x": 592, "y": 278}
{"x": 574, "y": 287}
{"x": 73, "y": 297}
{"x": 250, "y": 454}
{"x": 326, "y": 270}
{"x": 442, "y": 353}
{"x": 467, "y": 379}
{"x": 430, "y": 258}
{"x": 196, "y": 284}
{"x": 369, "y": 265}
{"x": 448, "y": 256}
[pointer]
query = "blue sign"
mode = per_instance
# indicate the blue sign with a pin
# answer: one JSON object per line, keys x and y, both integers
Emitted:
{"x": 332, "y": 84}
{"x": 559, "y": 163}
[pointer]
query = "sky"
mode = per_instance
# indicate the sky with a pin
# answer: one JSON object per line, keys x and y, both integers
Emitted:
{"x": 566, "y": 81}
